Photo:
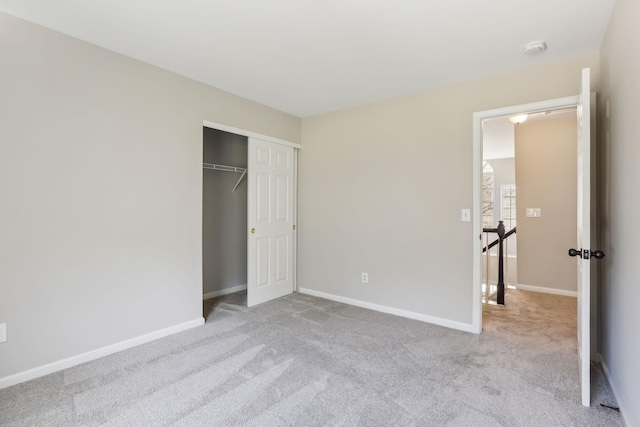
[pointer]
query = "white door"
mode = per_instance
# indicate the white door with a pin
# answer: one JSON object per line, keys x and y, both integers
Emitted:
{"x": 584, "y": 237}
{"x": 270, "y": 221}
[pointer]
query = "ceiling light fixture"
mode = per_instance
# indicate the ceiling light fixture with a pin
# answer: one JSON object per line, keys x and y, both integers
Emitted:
{"x": 518, "y": 119}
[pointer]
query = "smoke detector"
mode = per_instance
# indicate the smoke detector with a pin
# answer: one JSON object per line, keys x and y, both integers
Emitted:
{"x": 534, "y": 48}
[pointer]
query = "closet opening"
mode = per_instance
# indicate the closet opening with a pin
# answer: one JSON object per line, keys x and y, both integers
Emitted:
{"x": 224, "y": 219}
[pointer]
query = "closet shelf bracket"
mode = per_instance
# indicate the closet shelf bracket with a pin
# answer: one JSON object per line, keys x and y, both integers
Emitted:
{"x": 238, "y": 183}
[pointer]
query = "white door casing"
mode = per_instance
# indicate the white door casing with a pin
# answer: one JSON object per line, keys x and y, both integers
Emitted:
{"x": 478, "y": 118}
{"x": 584, "y": 237}
{"x": 270, "y": 243}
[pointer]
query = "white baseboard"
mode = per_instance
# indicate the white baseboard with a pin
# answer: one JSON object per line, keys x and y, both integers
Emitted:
{"x": 467, "y": 327}
{"x": 224, "y": 292}
{"x": 547, "y": 290}
{"x": 613, "y": 388}
{"x": 69, "y": 362}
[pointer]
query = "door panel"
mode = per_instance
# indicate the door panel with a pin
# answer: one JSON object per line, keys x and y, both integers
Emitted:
{"x": 263, "y": 197}
{"x": 282, "y": 251}
{"x": 584, "y": 237}
{"x": 263, "y": 260}
{"x": 284, "y": 160}
{"x": 270, "y": 212}
{"x": 282, "y": 197}
{"x": 263, "y": 156}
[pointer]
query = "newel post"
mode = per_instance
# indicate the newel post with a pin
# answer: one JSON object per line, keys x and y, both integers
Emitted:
{"x": 500, "y": 296}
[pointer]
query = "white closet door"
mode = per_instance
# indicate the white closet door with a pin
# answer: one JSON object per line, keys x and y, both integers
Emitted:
{"x": 270, "y": 221}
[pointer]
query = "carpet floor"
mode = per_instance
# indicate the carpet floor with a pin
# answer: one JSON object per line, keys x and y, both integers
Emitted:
{"x": 306, "y": 361}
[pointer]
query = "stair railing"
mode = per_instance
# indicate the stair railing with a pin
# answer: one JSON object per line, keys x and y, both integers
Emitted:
{"x": 500, "y": 242}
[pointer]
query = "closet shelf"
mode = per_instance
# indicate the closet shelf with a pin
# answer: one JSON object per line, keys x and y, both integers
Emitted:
{"x": 226, "y": 168}
{"x": 223, "y": 168}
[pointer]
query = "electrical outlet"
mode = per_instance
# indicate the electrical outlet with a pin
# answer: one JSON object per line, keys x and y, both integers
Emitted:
{"x": 365, "y": 277}
{"x": 3, "y": 332}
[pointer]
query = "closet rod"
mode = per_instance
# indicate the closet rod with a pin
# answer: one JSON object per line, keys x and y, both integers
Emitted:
{"x": 225, "y": 168}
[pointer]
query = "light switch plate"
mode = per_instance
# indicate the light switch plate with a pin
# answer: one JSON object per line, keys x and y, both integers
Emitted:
{"x": 533, "y": 213}
{"x": 465, "y": 215}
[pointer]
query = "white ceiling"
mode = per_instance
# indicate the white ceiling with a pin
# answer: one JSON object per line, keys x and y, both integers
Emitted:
{"x": 307, "y": 57}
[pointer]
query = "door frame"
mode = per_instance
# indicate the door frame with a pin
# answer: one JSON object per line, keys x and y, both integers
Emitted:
{"x": 296, "y": 147}
{"x": 478, "y": 117}
{"x": 248, "y": 133}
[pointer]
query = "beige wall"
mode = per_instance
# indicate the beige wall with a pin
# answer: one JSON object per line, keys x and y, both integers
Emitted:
{"x": 224, "y": 213}
{"x": 619, "y": 206}
{"x": 381, "y": 187}
{"x": 546, "y": 170}
{"x": 101, "y": 189}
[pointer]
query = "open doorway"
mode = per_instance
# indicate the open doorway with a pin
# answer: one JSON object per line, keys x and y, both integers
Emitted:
{"x": 530, "y": 188}
{"x": 479, "y": 119}
{"x": 224, "y": 217}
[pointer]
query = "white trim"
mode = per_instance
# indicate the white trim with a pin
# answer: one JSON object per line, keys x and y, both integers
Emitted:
{"x": 225, "y": 291}
{"x": 295, "y": 220}
{"x": 237, "y": 131}
{"x": 544, "y": 290}
{"x": 477, "y": 226}
{"x": 478, "y": 117}
{"x": 390, "y": 310}
{"x": 69, "y": 362}
{"x": 613, "y": 389}
{"x": 494, "y": 255}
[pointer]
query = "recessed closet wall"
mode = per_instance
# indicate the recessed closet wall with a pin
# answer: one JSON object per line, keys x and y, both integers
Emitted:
{"x": 224, "y": 216}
